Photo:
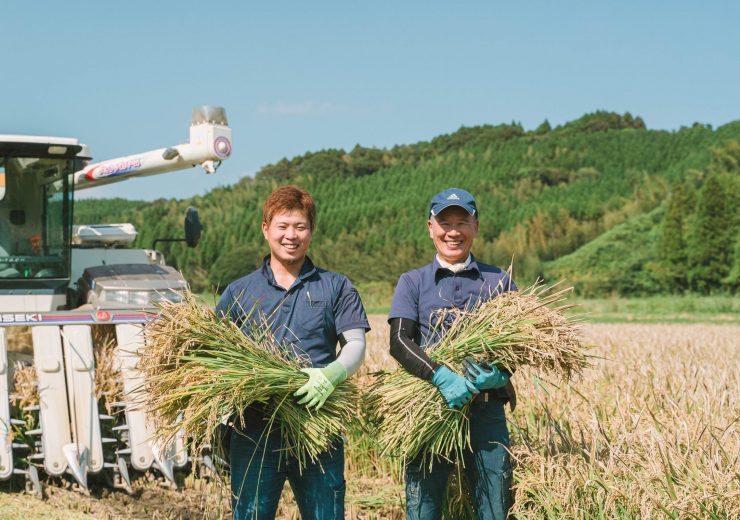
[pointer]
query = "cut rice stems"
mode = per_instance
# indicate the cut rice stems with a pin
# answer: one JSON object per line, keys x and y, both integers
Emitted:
{"x": 200, "y": 369}
{"x": 409, "y": 417}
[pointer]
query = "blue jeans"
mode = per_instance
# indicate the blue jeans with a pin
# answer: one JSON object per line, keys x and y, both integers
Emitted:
{"x": 259, "y": 467}
{"x": 487, "y": 468}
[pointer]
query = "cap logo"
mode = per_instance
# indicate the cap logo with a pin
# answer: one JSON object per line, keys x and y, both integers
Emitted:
{"x": 453, "y": 197}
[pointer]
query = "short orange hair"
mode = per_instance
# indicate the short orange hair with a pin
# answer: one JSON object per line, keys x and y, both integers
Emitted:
{"x": 289, "y": 198}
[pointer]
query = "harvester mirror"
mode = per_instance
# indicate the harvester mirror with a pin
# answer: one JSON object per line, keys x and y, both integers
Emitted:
{"x": 193, "y": 227}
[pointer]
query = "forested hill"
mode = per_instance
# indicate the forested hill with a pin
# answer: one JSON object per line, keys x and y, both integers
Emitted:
{"x": 614, "y": 206}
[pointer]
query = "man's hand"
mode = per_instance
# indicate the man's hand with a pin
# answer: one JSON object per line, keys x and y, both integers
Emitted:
{"x": 321, "y": 383}
{"x": 456, "y": 390}
{"x": 484, "y": 378}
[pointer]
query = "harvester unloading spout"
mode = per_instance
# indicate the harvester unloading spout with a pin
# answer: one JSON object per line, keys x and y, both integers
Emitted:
{"x": 63, "y": 426}
{"x": 209, "y": 144}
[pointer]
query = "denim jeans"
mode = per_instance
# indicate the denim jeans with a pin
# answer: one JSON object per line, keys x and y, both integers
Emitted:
{"x": 259, "y": 467}
{"x": 487, "y": 468}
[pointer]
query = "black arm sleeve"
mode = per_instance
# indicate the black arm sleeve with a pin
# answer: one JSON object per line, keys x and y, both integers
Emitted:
{"x": 407, "y": 352}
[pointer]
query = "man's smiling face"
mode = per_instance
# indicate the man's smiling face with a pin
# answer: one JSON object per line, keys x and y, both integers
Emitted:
{"x": 453, "y": 231}
{"x": 288, "y": 235}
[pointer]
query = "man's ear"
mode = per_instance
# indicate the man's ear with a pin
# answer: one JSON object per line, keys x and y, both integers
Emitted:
{"x": 264, "y": 229}
{"x": 429, "y": 227}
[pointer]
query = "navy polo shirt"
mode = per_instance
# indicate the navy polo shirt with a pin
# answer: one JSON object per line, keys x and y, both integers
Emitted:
{"x": 309, "y": 316}
{"x": 421, "y": 293}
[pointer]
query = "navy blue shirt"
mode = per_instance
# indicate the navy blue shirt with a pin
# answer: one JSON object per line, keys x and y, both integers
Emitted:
{"x": 308, "y": 317}
{"x": 421, "y": 293}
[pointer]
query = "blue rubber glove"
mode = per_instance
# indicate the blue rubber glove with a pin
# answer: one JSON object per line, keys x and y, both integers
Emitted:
{"x": 484, "y": 378}
{"x": 321, "y": 383}
{"x": 454, "y": 388}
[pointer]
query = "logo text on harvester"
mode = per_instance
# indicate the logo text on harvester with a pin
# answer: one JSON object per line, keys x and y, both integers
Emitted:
{"x": 113, "y": 169}
{"x": 20, "y": 318}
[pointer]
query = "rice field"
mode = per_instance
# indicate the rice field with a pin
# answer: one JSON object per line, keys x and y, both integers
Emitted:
{"x": 650, "y": 431}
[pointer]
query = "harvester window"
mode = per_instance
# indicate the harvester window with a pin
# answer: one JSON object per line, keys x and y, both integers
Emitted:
{"x": 35, "y": 217}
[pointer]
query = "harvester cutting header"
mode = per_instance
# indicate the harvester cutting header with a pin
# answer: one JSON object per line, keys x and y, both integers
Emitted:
{"x": 63, "y": 280}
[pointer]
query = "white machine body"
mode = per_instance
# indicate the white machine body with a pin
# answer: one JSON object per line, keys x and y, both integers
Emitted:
{"x": 6, "y": 429}
{"x": 38, "y": 264}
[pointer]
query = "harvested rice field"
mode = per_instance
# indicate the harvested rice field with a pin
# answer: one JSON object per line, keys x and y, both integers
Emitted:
{"x": 650, "y": 431}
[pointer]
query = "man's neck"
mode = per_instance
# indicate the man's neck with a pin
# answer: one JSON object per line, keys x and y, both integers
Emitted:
{"x": 285, "y": 273}
{"x": 457, "y": 266}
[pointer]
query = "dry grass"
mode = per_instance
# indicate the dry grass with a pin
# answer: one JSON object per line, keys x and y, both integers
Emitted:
{"x": 25, "y": 390}
{"x": 650, "y": 432}
{"x": 108, "y": 381}
{"x": 19, "y": 339}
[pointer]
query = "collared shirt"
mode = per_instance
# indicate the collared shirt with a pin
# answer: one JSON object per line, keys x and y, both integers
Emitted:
{"x": 421, "y": 293}
{"x": 308, "y": 317}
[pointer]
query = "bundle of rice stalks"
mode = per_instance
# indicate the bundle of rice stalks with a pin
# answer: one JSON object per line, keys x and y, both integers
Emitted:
{"x": 199, "y": 369}
{"x": 515, "y": 329}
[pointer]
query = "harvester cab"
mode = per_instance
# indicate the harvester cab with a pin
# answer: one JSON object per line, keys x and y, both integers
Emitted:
{"x": 73, "y": 300}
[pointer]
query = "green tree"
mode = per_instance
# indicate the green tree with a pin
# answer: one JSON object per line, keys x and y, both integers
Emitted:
{"x": 233, "y": 265}
{"x": 726, "y": 157}
{"x": 711, "y": 239}
{"x": 543, "y": 128}
{"x": 672, "y": 250}
{"x": 542, "y": 198}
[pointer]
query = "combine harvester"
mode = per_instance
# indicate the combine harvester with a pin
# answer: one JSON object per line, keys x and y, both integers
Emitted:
{"x": 66, "y": 282}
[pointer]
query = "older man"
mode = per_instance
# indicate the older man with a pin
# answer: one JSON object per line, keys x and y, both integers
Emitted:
{"x": 454, "y": 279}
{"x": 309, "y": 310}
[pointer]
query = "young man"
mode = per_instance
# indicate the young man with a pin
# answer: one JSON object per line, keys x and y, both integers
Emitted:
{"x": 308, "y": 310}
{"x": 454, "y": 279}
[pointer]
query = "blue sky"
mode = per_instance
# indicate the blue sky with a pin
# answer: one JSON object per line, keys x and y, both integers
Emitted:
{"x": 297, "y": 76}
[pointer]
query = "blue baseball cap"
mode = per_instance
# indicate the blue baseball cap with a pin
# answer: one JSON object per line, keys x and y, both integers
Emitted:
{"x": 453, "y": 197}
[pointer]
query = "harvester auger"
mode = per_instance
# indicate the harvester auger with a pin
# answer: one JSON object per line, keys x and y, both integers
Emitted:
{"x": 70, "y": 406}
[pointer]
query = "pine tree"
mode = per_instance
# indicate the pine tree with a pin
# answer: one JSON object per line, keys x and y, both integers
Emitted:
{"x": 543, "y": 128}
{"x": 672, "y": 246}
{"x": 711, "y": 237}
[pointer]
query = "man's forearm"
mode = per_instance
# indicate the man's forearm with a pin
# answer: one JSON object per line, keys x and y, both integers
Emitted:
{"x": 353, "y": 350}
{"x": 407, "y": 351}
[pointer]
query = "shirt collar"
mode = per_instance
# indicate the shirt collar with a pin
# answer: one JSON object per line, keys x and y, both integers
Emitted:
{"x": 472, "y": 265}
{"x": 307, "y": 269}
{"x": 442, "y": 263}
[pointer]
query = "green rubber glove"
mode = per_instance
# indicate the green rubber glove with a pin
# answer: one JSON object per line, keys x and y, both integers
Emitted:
{"x": 321, "y": 383}
{"x": 455, "y": 389}
{"x": 484, "y": 376}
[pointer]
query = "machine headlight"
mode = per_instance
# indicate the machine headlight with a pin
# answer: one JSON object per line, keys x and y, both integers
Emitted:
{"x": 114, "y": 296}
{"x": 169, "y": 294}
{"x": 139, "y": 297}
